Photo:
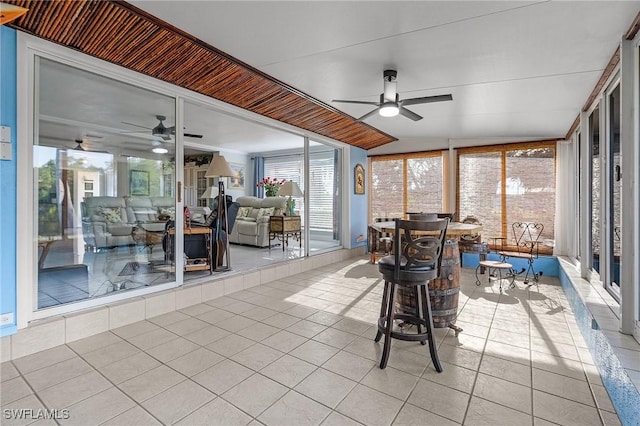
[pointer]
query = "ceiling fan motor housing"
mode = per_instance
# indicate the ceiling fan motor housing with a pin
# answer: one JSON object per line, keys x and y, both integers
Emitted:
{"x": 390, "y": 86}
{"x": 390, "y": 75}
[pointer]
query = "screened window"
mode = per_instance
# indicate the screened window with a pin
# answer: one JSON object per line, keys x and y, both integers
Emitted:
{"x": 503, "y": 184}
{"x": 406, "y": 183}
{"x": 479, "y": 189}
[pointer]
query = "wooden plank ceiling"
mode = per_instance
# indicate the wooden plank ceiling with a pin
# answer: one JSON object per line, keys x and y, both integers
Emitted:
{"x": 122, "y": 34}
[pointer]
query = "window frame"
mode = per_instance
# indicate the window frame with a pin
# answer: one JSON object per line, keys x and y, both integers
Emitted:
{"x": 503, "y": 149}
{"x": 405, "y": 157}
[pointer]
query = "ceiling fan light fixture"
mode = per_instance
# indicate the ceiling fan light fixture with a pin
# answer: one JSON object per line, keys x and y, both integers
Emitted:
{"x": 159, "y": 150}
{"x": 389, "y": 109}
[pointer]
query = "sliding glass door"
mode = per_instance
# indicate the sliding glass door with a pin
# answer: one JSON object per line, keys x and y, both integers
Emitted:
{"x": 614, "y": 178}
{"x": 324, "y": 198}
{"x": 103, "y": 185}
{"x": 322, "y": 190}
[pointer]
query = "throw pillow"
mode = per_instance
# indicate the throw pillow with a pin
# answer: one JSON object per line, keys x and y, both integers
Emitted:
{"x": 169, "y": 211}
{"x": 244, "y": 211}
{"x": 265, "y": 211}
{"x": 111, "y": 215}
{"x": 254, "y": 212}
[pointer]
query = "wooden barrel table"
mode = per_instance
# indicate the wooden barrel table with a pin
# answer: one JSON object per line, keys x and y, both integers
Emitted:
{"x": 443, "y": 291}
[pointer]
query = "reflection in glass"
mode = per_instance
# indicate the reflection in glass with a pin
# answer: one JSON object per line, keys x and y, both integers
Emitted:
{"x": 103, "y": 196}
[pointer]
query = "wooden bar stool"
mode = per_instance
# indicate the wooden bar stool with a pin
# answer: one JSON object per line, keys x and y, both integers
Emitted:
{"x": 415, "y": 262}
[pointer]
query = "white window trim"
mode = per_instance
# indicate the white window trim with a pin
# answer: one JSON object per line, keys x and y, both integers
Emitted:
{"x": 630, "y": 151}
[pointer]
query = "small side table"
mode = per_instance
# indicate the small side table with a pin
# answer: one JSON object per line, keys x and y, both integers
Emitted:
{"x": 497, "y": 266}
{"x": 283, "y": 227}
{"x": 197, "y": 264}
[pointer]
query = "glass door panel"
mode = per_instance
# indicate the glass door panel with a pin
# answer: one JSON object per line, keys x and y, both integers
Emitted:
{"x": 594, "y": 139}
{"x": 104, "y": 185}
{"x": 324, "y": 198}
{"x": 615, "y": 188}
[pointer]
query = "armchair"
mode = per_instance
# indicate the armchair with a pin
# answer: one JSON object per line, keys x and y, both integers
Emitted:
{"x": 106, "y": 223}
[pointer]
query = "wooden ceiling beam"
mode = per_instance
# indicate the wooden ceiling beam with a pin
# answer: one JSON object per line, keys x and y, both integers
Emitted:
{"x": 122, "y": 34}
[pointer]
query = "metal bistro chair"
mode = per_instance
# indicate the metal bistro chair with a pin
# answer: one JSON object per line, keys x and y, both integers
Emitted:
{"x": 415, "y": 262}
{"x": 526, "y": 236}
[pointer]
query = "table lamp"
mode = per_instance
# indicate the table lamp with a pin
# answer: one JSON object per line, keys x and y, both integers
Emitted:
{"x": 209, "y": 194}
{"x": 220, "y": 168}
{"x": 291, "y": 189}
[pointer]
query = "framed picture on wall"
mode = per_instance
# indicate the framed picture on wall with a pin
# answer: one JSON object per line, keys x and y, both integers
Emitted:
{"x": 138, "y": 182}
{"x": 237, "y": 180}
{"x": 358, "y": 179}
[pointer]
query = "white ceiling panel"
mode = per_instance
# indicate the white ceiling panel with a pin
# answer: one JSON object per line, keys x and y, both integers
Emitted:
{"x": 517, "y": 70}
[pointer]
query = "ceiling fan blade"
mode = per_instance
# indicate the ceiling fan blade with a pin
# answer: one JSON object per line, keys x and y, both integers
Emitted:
{"x": 356, "y": 102}
{"x": 426, "y": 100}
{"x": 369, "y": 114}
{"x": 409, "y": 114}
{"x": 137, "y": 125}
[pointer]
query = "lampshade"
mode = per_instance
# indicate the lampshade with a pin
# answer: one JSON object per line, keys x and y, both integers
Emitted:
{"x": 9, "y": 12}
{"x": 291, "y": 189}
{"x": 218, "y": 168}
{"x": 211, "y": 192}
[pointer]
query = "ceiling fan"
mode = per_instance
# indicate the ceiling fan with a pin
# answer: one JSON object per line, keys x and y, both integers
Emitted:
{"x": 81, "y": 146}
{"x": 390, "y": 104}
{"x": 161, "y": 130}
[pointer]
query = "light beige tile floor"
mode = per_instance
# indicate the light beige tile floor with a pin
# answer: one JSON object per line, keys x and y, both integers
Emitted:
{"x": 300, "y": 351}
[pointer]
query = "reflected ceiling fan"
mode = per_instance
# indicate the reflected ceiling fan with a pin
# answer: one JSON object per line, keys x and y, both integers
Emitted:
{"x": 82, "y": 146}
{"x": 390, "y": 103}
{"x": 162, "y": 131}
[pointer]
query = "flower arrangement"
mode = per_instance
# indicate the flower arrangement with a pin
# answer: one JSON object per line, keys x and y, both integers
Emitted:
{"x": 270, "y": 186}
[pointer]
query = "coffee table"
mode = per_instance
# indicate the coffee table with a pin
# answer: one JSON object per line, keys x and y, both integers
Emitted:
{"x": 149, "y": 234}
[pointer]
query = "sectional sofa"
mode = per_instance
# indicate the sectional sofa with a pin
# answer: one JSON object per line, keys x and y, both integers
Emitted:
{"x": 252, "y": 222}
{"x": 111, "y": 221}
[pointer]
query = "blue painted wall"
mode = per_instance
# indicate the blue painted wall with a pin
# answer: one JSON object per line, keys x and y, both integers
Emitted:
{"x": 8, "y": 117}
{"x": 548, "y": 265}
{"x": 359, "y": 203}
